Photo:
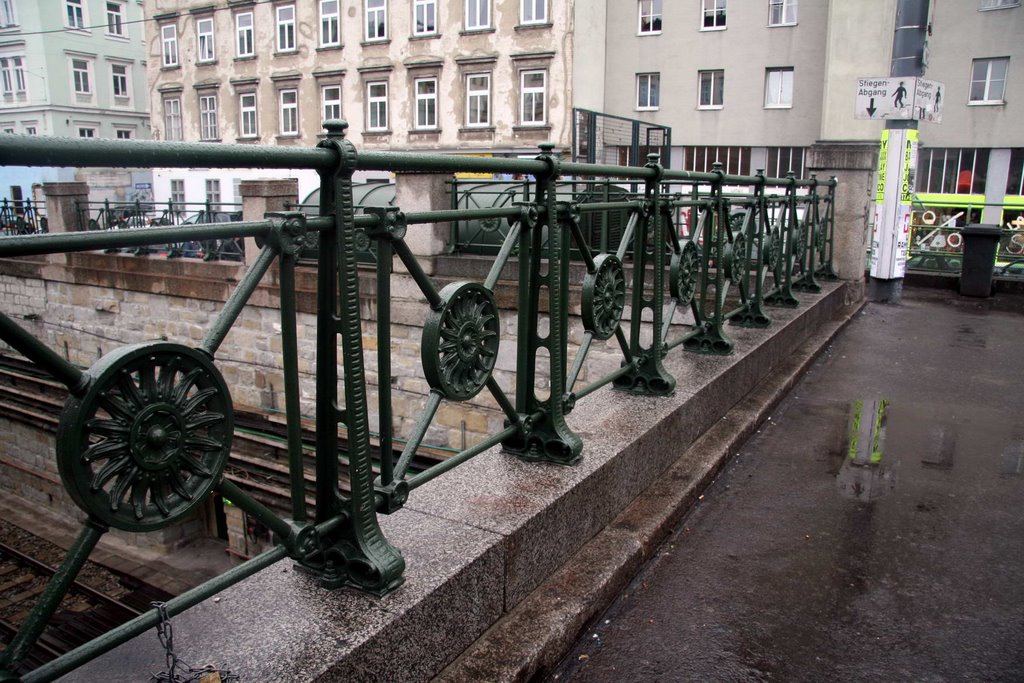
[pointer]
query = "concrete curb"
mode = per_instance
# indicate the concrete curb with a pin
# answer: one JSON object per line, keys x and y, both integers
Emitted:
{"x": 531, "y": 639}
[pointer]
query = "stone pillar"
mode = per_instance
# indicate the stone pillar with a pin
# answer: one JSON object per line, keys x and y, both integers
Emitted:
{"x": 260, "y": 197}
{"x": 61, "y": 206}
{"x": 853, "y": 165}
{"x": 424, "y": 192}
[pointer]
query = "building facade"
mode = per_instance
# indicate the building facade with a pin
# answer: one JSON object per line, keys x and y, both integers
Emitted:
{"x": 72, "y": 68}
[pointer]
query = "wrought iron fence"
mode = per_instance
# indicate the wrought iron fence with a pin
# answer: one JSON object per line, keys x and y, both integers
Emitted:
{"x": 22, "y": 217}
{"x": 146, "y": 430}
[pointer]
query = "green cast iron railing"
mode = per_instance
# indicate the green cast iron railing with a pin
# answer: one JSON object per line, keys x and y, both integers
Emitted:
{"x": 22, "y": 217}
{"x": 146, "y": 431}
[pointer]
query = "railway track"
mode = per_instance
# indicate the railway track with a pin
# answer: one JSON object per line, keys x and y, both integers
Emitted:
{"x": 85, "y": 613}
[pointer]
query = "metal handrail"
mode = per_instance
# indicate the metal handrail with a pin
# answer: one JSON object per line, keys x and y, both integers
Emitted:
{"x": 161, "y": 412}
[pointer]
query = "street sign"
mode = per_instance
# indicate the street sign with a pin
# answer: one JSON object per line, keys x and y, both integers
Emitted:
{"x": 143, "y": 186}
{"x": 903, "y": 98}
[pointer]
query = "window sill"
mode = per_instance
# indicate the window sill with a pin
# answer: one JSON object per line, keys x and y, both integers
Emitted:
{"x": 245, "y": 58}
{"x": 778, "y": 106}
{"x": 710, "y": 107}
{"x": 647, "y": 108}
{"x": 532, "y": 127}
{"x": 713, "y": 28}
{"x": 469, "y": 130}
{"x": 287, "y": 137}
{"x": 375, "y": 41}
{"x": 425, "y": 36}
{"x": 534, "y": 26}
{"x": 118, "y": 37}
{"x": 645, "y": 34}
{"x": 329, "y": 48}
{"x": 216, "y": 140}
{"x": 425, "y": 133}
{"x": 376, "y": 133}
{"x": 286, "y": 53}
{"x": 248, "y": 140}
{"x": 209, "y": 62}
{"x": 783, "y": 25}
{"x": 986, "y": 103}
{"x": 170, "y": 67}
{"x": 477, "y": 31}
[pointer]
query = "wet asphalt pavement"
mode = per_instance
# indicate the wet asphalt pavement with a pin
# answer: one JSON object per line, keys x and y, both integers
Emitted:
{"x": 806, "y": 561}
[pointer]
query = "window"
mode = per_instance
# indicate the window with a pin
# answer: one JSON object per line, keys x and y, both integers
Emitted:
{"x": 123, "y": 134}
{"x": 30, "y": 130}
{"x": 781, "y": 12}
{"x": 172, "y": 119}
{"x": 714, "y": 15}
{"x": 377, "y": 106}
{"x": 12, "y": 75}
{"x": 782, "y": 160}
{"x": 289, "y": 112}
{"x": 425, "y": 17}
{"x": 536, "y": 11}
{"x": 120, "y": 83}
{"x": 734, "y": 160}
{"x": 247, "y": 115}
{"x": 80, "y": 76}
{"x": 711, "y": 86}
{"x": 478, "y": 14}
{"x": 778, "y": 88}
{"x": 204, "y": 32}
{"x": 7, "y": 131}
{"x": 8, "y": 17}
{"x": 426, "y": 103}
{"x": 376, "y": 20}
{"x": 330, "y": 96}
{"x": 533, "y": 98}
{"x": 650, "y": 16}
{"x": 330, "y": 22}
{"x": 988, "y": 80}
{"x": 115, "y": 18}
{"x": 648, "y": 91}
{"x": 208, "y": 117}
{"x": 213, "y": 194}
{"x": 478, "y": 100}
{"x": 86, "y": 132}
{"x": 243, "y": 35}
{"x": 286, "y": 28}
{"x": 997, "y": 4}
{"x": 74, "y": 14}
{"x": 952, "y": 170}
{"x": 1015, "y": 178}
{"x": 169, "y": 40}
{"x": 177, "y": 193}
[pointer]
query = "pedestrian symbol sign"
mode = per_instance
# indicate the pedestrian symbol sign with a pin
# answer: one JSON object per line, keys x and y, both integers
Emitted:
{"x": 899, "y": 98}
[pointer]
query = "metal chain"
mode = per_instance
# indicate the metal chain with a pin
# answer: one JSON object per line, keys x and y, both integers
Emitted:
{"x": 177, "y": 670}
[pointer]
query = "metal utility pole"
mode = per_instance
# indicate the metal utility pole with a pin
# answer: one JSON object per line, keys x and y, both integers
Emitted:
{"x": 898, "y": 157}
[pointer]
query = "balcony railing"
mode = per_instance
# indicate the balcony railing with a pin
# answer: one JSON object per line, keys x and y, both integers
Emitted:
{"x": 146, "y": 430}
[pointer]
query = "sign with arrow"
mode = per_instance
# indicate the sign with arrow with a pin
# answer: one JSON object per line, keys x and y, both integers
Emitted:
{"x": 904, "y": 98}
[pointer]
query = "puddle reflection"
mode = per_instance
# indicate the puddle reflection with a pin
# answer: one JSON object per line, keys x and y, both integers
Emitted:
{"x": 864, "y": 474}
{"x": 1013, "y": 458}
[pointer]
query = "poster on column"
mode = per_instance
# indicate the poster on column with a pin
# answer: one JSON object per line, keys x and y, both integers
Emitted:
{"x": 908, "y": 176}
{"x": 876, "y": 232}
{"x": 894, "y": 194}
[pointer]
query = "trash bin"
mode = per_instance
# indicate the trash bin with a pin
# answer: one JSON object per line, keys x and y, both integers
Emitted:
{"x": 980, "y": 243}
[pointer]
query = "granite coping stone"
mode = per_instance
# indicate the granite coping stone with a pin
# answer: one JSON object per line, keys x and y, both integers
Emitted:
{"x": 477, "y": 540}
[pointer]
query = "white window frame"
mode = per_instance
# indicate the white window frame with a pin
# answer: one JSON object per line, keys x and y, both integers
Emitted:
{"x": 720, "y": 90}
{"x": 8, "y": 13}
{"x": 124, "y": 134}
{"x": 173, "y": 124}
{"x": 478, "y": 95}
{"x": 206, "y": 49}
{"x": 375, "y": 16}
{"x": 31, "y": 130}
{"x": 531, "y": 95}
{"x": 426, "y": 118}
{"x": 115, "y": 19}
{"x": 212, "y": 187}
{"x": 778, "y": 10}
{"x": 985, "y": 5}
{"x": 478, "y": 15}
{"x": 248, "y": 116}
{"x": 12, "y": 75}
{"x": 288, "y": 109}
{"x": 122, "y": 81}
{"x": 177, "y": 193}
{"x": 76, "y": 15}
{"x": 330, "y": 104}
{"x": 330, "y": 23}
{"x": 208, "y": 126}
{"x": 82, "y": 78}
{"x": 987, "y": 99}
{"x": 376, "y": 107}
{"x": 428, "y": 10}
{"x": 169, "y": 45}
{"x": 712, "y": 8}
{"x": 775, "y": 93}
{"x": 245, "y": 43}
{"x": 285, "y": 28}
{"x": 87, "y": 132}
{"x": 653, "y": 101}
{"x": 533, "y": 12}
{"x": 649, "y": 17}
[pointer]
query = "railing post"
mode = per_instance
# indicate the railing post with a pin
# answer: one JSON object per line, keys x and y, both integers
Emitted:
{"x": 826, "y": 270}
{"x": 811, "y": 236}
{"x": 650, "y": 242}
{"x": 357, "y": 554}
{"x": 260, "y": 197}
{"x": 62, "y": 200}
{"x": 546, "y": 436}
{"x": 751, "y": 313}
{"x": 789, "y": 236}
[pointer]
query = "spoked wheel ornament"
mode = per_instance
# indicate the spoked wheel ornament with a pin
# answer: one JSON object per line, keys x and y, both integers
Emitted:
{"x": 604, "y": 296}
{"x": 683, "y": 276}
{"x": 150, "y": 437}
{"x": 460, "y": 341}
